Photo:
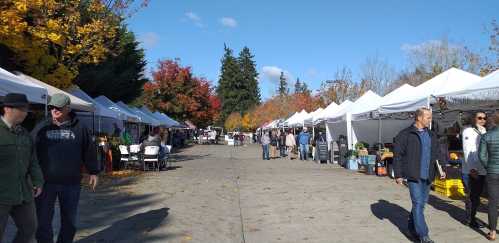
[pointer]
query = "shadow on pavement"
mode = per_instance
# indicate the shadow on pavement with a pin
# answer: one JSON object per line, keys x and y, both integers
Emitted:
{"x": 186, "y": 157}
{"x": 453, "y": 211}
{"x": 132, "y": 229}
{"x": 396, "y": 214}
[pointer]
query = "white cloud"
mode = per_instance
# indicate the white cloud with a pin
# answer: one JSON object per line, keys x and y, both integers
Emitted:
{"x": 312, "y": 73}
{"x": 428, "y": 45}
{"x": 194, "y": 18}
{"x": 149, "y": 39}
{"x": 272, "y": 74}
{"x": 228, "y": 22}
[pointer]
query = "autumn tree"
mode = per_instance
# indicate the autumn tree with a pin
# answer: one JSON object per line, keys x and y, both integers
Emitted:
{"x": 233, "y": 121}
{"x": 492, "y": 60}
{"x": 340, "y": 88}
{"x": 120, "y": 75}
{"x": 50, "y": 39}
{"x": 183, "y": 96}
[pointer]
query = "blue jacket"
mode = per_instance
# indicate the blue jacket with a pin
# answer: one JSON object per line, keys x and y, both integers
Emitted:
{"x": 304, "y": 138}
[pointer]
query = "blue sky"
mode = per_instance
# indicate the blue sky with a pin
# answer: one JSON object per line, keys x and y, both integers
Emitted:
{"x": 306, "y": 39}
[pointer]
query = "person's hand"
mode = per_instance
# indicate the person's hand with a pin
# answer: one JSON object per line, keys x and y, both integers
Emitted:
{"x": 442, "y": 176}
{"x": 474, "y": 173}
{"x": 399, "y": 181}
{"x": 37, "y": 191}
{"x": 92, "y": 181}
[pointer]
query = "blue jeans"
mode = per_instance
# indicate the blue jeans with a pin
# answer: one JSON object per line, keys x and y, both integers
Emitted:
{"x": 68, "y": 197}
{"x": 303, "y": 151}
{"x": 419, "y": 191}
{"x": 266, "y": 155}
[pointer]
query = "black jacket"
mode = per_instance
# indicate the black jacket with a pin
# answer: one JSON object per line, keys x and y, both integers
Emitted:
{"x": 62, "y": 150}
{"x": 407, "y": 154}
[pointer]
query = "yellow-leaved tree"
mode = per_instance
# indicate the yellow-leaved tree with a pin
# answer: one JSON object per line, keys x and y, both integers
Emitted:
{"x": 233, "y": 122}
{"x": 50, "y": 39}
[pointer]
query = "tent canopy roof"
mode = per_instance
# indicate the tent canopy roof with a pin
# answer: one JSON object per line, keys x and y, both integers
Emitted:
{"x": 100, "y": 110}
{"x": 76, "y": 103}
{"x": 11, "y": 83}
{"x": 103, "y": 100}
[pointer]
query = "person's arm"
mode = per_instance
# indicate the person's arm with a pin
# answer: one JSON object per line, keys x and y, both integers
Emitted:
{"x": 483, "y": 154}
{"x": 89, "y": 155}
{"x": 35, "y": 172}
{"x": 399, "y": 148}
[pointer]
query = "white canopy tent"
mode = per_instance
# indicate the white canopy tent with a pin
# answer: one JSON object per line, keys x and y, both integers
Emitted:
{"x": 290, "y": 119}
{"x": 76, "y": 103}
{"x": 298, "y": 119}
{"x": 320, "y": 116}
{"x": 167, "y": 119}
{"x": 143, "y": 117}
{"x": 11, "y": 83}
{"x": 478, "y": 94}
{"x": 161, "y": 119}
{"x": 124, "y": 115}
{"x": 341, "y": 126}
{"x": 450, "y": 81}
{"x": 105, "y": 119}
{"x": 313, "y": 116}
{"x": 150, "y": 119}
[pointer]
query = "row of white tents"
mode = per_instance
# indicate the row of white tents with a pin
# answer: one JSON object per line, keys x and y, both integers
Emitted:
{"x": 372, "y": 118}
{"x": 99, "y": 111}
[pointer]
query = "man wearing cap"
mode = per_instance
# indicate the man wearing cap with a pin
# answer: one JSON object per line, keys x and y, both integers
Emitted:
{"x": 20, "y": 176}
{"x": 63, "y": 145}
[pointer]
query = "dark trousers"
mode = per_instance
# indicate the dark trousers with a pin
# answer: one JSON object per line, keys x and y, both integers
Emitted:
{"x": 419, "y": 191}
{"x": 282, "y": 149}
{"x": 68, "y": 197}
{"x": 493, "y": 190}
{"x": 473, "y": 188}
{"x": 24, "y": 217}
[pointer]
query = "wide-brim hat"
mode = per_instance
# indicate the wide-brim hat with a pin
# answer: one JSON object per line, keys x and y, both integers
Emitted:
{"x": 14, "y": 100}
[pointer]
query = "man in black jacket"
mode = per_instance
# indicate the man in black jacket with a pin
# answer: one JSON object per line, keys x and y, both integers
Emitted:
{"x": 63, "y": 145}
{"x": 416, "y": 153}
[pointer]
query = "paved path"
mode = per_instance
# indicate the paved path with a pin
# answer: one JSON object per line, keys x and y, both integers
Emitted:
{"x": 227, "y": 194}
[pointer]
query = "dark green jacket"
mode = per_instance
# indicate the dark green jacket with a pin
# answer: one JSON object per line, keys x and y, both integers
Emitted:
{"x": 19, "y": 169}
{"x": 489, "y": 151}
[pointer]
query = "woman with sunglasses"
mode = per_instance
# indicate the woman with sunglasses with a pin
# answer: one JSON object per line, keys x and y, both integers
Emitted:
{"x": 489, "y": 156}
{"x": 473, "y": 173}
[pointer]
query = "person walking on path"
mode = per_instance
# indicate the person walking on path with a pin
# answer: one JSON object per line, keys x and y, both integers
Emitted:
{"x": 416, "y": 153}
{"x": 21, "y": 178}
{"x": 304, "y": 140}
{"x": 291, "y": 144}
{"x": 274, "y": 142}
{"x": 63, "y": 145}
{"x": 473, "y": 173}
{"x": 489, "y": 157}
{"x": 265, "y": 145}
{"x": 282, "y": 144}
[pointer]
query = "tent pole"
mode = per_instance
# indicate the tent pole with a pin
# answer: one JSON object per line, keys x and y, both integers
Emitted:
{"x": 379, "y": 131}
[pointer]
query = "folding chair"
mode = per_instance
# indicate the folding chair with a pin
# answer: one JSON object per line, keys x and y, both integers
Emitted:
{"x": 151, "y": 155}
{"x": 168, "y": 151}
{"x": 125, "y": 156}
{"x": 135, "y": 154}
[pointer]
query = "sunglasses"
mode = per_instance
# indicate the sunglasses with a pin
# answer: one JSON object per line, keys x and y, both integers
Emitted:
{"x": 55, "y": 108}
{"x": 481, "y": 118}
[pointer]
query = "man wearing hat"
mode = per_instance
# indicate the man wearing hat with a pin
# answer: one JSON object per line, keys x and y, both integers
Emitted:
{"x": 63, "y": 145}
{"x": 20, "y": 176}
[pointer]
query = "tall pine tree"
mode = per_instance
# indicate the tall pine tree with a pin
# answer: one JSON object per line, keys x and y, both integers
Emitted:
{"x": 250, "y": 94}
{"x": 229, "y": 84}
{"x": 297, "y": 86}
{"x": 283, "y": 86}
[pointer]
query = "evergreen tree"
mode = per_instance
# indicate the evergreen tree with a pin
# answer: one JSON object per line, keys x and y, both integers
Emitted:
{"x": 297, "y": 86}
{"x": 283, "y": 85}
{"x": 119, "y": 77}
{"x": 229, "y": 84}
{"x": 250, "y": 94}
{"x": 304, "y": 88}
